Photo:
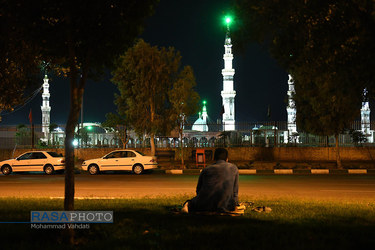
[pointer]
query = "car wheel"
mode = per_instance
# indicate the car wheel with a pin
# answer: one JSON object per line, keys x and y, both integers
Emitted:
{"x": 6, "y": 169}
{"x": 93, "y": 169}
{"x": 49, "y": 169}
{"x": 138, "y": 169}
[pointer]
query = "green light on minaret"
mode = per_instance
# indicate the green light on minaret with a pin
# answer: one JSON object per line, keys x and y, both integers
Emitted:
{"x": 228, "y": 20}
{"x": 204, "y": 102}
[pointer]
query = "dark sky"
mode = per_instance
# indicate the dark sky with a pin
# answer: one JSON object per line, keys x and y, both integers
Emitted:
{"x": 195, "y": 28}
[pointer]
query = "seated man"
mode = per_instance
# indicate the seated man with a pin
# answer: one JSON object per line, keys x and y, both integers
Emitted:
{"x": 217, "y": 189}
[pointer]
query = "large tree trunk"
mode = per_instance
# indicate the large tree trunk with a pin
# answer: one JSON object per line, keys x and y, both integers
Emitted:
{"x": 76, "y": 94}
{"x": 338, "y": 158}
{"x": 152, "y": 142}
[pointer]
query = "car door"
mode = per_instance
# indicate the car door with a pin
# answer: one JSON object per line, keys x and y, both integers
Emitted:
{"x": 21, "y": 163}
{"x": 110, "y": 161}
{"x": 36, "y": 161}
{"x": 127, "y": 160}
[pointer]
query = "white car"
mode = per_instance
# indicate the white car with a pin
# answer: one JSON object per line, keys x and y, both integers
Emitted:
{"x": 129, "y": 160}
{"x": 46, "y": 161}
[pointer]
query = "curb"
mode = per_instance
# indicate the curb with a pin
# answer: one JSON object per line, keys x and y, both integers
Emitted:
{"x": 279, "y": 171}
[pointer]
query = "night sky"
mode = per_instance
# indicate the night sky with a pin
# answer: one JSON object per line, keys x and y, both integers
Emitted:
{"x": 196, "y": 29}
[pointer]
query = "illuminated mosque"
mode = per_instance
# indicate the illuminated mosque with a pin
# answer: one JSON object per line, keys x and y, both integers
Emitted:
{"x": 200, "y": 129}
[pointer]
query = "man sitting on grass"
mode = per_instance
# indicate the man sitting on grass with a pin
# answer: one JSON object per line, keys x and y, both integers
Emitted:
{"x": 217, "y": 189}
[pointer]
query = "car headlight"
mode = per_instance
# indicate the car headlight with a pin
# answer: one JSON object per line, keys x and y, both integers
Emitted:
{"x": 84, "y": 163}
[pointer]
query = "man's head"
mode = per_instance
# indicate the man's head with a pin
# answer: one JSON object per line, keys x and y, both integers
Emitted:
{"x": 221, "y": 154}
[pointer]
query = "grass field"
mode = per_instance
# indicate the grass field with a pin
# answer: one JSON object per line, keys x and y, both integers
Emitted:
{"x": 150, "y": 224}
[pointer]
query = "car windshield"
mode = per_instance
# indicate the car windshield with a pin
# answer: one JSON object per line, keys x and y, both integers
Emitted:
{"x": 140, "y": 153}
{"x": 54, "y": 154}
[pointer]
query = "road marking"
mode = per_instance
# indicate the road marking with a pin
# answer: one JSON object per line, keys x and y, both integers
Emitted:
{"x": 174, "y": 171}
{"x": 357, "y": 171}
{"x": 283, "y": 171}
{"x": 320, "y": 171}
{"x": 247, "y": 171}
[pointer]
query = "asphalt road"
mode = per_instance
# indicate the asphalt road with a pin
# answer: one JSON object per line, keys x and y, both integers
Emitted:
{"x": 152, "y": 185}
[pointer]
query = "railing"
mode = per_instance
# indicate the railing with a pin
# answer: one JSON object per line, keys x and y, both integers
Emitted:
{"x": 247, "y": 134}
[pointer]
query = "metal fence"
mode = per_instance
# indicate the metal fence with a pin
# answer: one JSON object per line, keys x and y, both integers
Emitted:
{"x": 247, "y": 134}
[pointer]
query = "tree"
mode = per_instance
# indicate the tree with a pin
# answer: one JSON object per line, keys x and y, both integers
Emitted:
{"x": 358, "y": 137}
{"x": 79, "y": 40}
{"x": 185, "y": 102}
{"x": 325, "y": 45}
{"x": 225, "y": 135}
{"x": 118, "y": 123}
{"x": 22, "y": 135}
{"x": 18, "y": 63}
{"x": 144, "y": 76}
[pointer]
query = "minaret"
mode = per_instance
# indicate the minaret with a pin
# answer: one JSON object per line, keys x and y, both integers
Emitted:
{"x": 291, "y": 111}
{"x": 204, "y": 113}
{"x": 46, "y": 109}
{"x": 365, "y": 117}
{"x": 228, "y": 92}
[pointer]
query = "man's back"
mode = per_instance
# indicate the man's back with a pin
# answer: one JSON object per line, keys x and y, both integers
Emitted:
{"x": 217, "y": 188}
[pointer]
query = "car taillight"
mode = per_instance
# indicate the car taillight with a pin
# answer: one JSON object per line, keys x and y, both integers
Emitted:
{"x": 152, "y": 160}
{"x": 62, "y": 161}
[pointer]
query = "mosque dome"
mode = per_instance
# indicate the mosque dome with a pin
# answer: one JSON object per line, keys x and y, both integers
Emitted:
{"x": 200, "y": 125}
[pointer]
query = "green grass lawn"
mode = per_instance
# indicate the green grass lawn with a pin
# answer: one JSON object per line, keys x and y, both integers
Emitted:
{"x": 150, "y": 224}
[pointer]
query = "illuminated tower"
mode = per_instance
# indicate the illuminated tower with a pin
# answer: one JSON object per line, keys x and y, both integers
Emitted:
{"x": 291, "y": 111}
{"x": 365, "y": 117}
{"x": 228, "y": 92}
{"x": 46, "y": 109}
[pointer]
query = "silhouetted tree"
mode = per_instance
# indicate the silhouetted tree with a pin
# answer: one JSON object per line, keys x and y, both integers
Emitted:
{"x": 327, "y": 46}
{"x": 148, "y": 78}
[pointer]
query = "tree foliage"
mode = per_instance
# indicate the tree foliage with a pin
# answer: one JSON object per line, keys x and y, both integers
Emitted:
{"x": 149, "y": 79}
{"x": 327, "y": 46}
{"x": 184, "y": 102}
{"x": 18, "y": 62}
{"x": 119, "y": 125}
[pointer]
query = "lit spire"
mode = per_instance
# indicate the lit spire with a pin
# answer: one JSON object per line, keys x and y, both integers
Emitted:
{"x": 228, "y": 21}
{"x": 204, "y": 111}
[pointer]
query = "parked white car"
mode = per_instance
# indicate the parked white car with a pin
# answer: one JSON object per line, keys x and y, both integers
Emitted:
{"x": 46, "y": 161}
{"x": 128, "y": 160}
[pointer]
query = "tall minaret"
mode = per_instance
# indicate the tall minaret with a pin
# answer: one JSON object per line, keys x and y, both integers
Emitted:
{"x": 46, "y": 109}
{"x": 291, "y": 111}
{"x": 228, "y": 92}
{"x": 365, "y": 117}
